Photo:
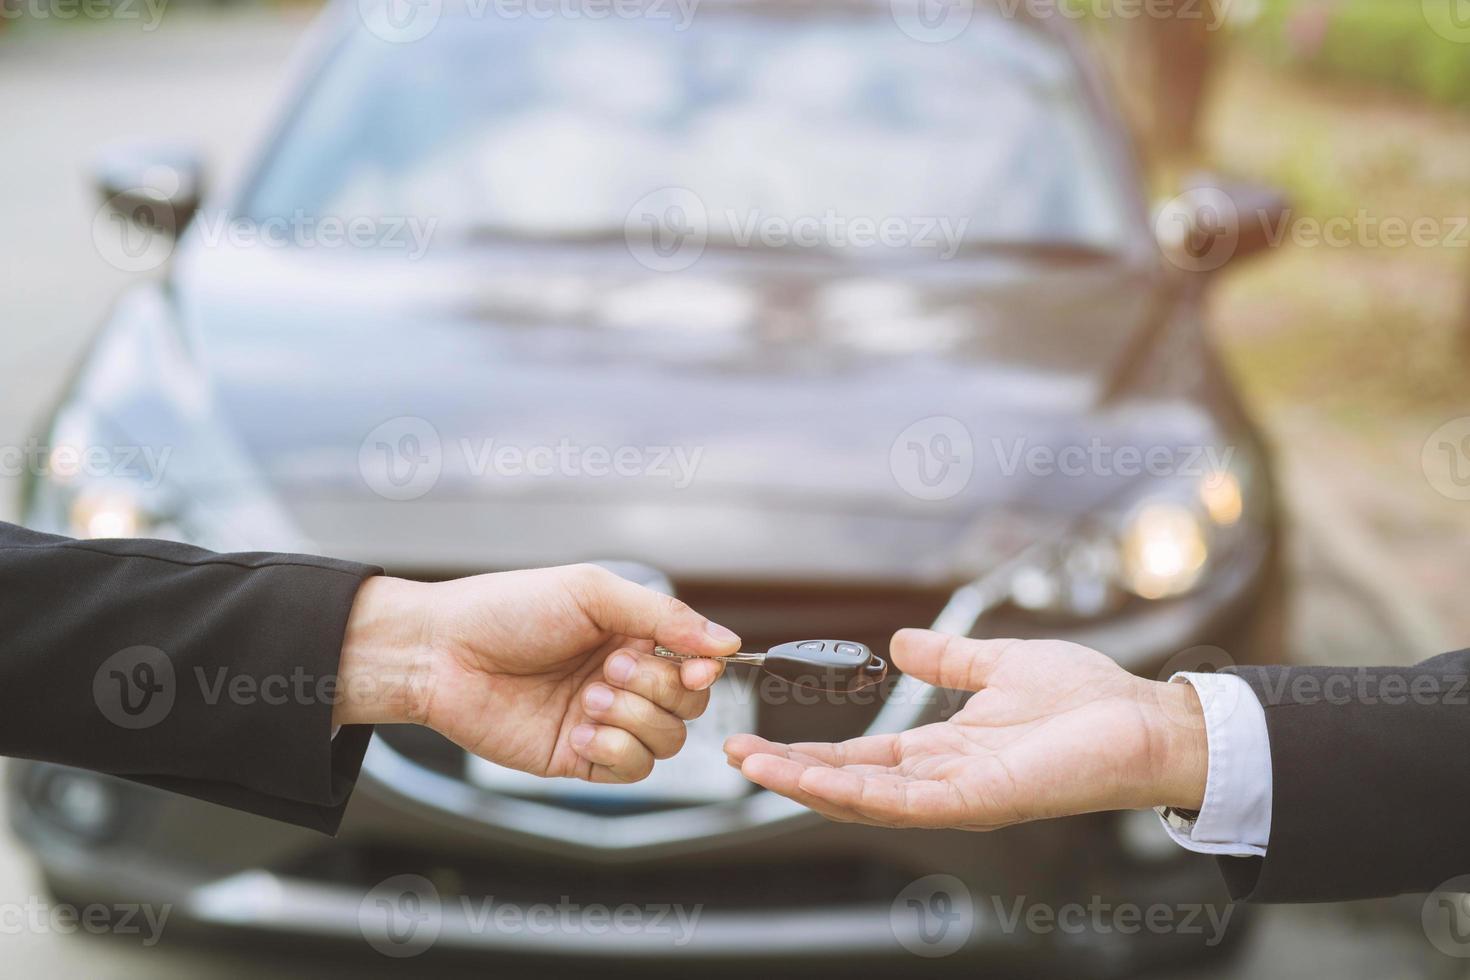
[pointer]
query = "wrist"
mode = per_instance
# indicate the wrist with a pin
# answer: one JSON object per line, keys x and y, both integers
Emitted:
{"x": 387, "y": 658}
{"x": 1179, "y": 746}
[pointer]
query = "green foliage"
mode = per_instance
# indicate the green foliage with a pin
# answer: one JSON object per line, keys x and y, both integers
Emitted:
{"x": 1384, "y": 42}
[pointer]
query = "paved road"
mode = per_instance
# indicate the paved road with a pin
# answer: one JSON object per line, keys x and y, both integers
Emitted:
{"x": 212, "y": 83}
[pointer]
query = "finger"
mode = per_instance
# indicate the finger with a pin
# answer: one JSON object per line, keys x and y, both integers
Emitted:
{"x": 867, "y": 750}
{"x": 660, "y": 681}
{"x": 617, "y": 756}
{"x": 661, "y": 732}
{"x": 700, "y": 674}
{"x": 739, "y": 747}
{"x": 620, "y": 606}
{"x": 887, "y": 798}
{"x": 943, "y": 660}
{"x": 783, "y": 776}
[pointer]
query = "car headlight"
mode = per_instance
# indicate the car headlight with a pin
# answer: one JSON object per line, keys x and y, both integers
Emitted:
{"x": 1163, "y": 549}
{"x": 85, "y": 497}
{"x": 1160, "y": 547}
{"x": 105, "y": 509}
{"x": 106, "y": 512}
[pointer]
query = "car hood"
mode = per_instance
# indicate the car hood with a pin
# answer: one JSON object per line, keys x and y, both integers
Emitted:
{"x": 744, "y": 419}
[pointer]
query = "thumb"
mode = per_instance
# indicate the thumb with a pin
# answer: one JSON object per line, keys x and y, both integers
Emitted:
{"x": 955, "y": 662}
{"x": 620, "y": 606}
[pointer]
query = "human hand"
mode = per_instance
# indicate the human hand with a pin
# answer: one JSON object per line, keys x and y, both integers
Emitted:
{"x": 1055, "y": 729}
{"x": 549, "y": 671}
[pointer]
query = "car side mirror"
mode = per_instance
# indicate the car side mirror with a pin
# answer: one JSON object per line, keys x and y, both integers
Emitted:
{"x": 1216, "y": 220}
{"x": 156, "y": 187}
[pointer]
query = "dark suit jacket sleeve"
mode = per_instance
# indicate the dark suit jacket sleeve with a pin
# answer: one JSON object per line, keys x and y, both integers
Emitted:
{"x": 205, "y": 674}
{"x": 1370, "y": 781}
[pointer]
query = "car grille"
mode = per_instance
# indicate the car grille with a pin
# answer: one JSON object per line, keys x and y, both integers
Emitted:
{"x": 746, "y": 884}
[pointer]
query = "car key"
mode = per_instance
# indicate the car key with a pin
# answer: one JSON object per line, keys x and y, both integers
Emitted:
{"x": 823, "y": 665}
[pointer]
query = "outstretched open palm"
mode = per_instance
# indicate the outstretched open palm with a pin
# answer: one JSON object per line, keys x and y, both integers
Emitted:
{"x": 1055, "y": 729}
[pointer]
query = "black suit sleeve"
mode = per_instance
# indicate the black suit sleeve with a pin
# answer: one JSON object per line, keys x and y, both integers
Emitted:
{"x": 1370, "y": 781}
{"x": 205, "y": 674}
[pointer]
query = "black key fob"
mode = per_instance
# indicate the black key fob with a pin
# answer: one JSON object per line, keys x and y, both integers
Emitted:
{"x": 826, "y": 665}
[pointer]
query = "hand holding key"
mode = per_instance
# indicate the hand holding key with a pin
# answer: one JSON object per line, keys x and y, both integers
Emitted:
{"x": 1055, "y": 729}
{"x": 550, "y": 671}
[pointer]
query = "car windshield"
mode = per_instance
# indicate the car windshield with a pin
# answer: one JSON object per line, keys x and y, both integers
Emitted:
{"x": 557, "y": 129}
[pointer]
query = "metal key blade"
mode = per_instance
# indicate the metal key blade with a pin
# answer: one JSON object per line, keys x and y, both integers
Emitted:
{"x": 755, "y": 659}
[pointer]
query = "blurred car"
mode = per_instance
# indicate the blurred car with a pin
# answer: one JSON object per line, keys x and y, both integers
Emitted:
{"x": 588, "y": 241}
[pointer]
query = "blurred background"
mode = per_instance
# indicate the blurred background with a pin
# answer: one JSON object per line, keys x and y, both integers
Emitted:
{"x": 1347, "y": 343}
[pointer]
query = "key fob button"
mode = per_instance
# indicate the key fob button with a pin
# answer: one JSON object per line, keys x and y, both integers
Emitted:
{"x": 825, "y": 665}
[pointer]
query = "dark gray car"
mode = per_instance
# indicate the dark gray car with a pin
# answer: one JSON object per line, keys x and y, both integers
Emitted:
{"x": 831, "y": 319}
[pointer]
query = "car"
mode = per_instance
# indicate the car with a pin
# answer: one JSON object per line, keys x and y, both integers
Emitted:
{"x": 829, "y": 318}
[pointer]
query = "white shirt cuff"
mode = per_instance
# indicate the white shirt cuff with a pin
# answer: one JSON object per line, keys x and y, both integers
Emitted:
{"x": 1236, "y": 817}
